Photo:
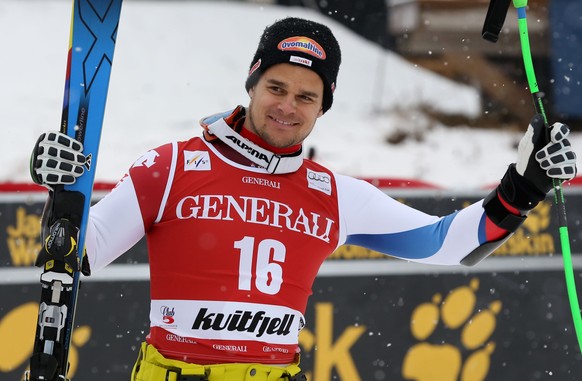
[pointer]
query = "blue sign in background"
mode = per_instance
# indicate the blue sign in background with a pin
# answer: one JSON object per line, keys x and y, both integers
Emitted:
{"x": 566, "y": 56}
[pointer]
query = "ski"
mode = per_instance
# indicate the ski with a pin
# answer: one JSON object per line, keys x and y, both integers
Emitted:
{"x": 90, "y": 55}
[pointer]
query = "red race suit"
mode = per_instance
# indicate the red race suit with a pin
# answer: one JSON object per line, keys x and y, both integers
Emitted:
{"x": 234, "y": 250}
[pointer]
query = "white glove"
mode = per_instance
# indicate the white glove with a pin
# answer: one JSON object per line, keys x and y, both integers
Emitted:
{"x": 57, "y": 159}
{"x": 540, "y": 161}
{"x": 557, "y": 157}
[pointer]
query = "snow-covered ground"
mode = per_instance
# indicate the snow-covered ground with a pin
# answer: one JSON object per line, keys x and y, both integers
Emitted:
{"x": 176, "y": 62}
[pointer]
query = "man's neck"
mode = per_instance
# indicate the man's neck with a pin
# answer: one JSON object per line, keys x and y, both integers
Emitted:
{"x": 248, "y": 134}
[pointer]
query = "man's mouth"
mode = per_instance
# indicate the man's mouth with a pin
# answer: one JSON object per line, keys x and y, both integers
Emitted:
{"x": 283, "y": 122}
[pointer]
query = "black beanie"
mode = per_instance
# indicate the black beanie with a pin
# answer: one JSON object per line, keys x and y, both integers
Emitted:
{"x": 301, "y": 42}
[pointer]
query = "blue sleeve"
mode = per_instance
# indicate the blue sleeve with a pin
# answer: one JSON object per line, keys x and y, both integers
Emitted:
{"x": 372, "y": 219}
{"x": 416, "y": 243}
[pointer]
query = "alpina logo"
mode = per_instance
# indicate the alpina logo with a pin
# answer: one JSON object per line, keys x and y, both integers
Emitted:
{"x": 302, "y": 44}
{"x": 249, "y": 149}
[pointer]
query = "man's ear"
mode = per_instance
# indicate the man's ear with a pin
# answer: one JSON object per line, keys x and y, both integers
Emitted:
{"x": 320, "y": 113}
{"x": 252, "y": 92}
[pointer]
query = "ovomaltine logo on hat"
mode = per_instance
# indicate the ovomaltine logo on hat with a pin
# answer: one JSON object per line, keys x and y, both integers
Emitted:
{"x": 302, "y": 44}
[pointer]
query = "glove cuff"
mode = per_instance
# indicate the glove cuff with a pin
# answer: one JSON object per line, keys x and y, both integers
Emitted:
{"x": 519, "y": 192}
{"x": 499, "y": 215}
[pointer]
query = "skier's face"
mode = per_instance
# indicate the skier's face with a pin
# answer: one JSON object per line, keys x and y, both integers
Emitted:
{"x": 285, "y": 103}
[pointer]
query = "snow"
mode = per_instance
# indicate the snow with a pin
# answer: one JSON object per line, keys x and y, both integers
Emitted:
{"x": 177, "y": 62}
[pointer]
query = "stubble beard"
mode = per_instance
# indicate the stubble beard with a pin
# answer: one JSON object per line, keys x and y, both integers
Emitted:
{"x": 263, "y": 134}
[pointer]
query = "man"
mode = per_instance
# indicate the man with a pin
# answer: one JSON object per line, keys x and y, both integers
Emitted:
{"x": 238, "y": 223}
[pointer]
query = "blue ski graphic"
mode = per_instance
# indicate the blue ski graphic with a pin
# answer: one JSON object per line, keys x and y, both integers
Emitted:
{"x": 94, "y": 32}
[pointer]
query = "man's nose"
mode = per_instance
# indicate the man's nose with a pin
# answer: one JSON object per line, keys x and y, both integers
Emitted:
{"x": 288, "y": 104}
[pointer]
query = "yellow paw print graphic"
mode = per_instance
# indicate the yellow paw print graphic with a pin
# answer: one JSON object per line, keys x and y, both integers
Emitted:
{"x": 441, "y": 361}
{"x": 18, "y": 327}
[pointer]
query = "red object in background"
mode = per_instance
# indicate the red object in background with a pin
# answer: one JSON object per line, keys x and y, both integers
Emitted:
{"x": 381, "y": 183}
{"x": 31, "y": 187}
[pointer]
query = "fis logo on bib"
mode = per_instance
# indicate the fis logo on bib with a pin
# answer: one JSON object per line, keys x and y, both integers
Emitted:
{"x": 196, "y": 161}
{"x": 320, "y": 181}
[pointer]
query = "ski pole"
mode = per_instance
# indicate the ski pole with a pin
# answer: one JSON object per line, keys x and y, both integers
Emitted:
{"x": 493, "y": 23}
